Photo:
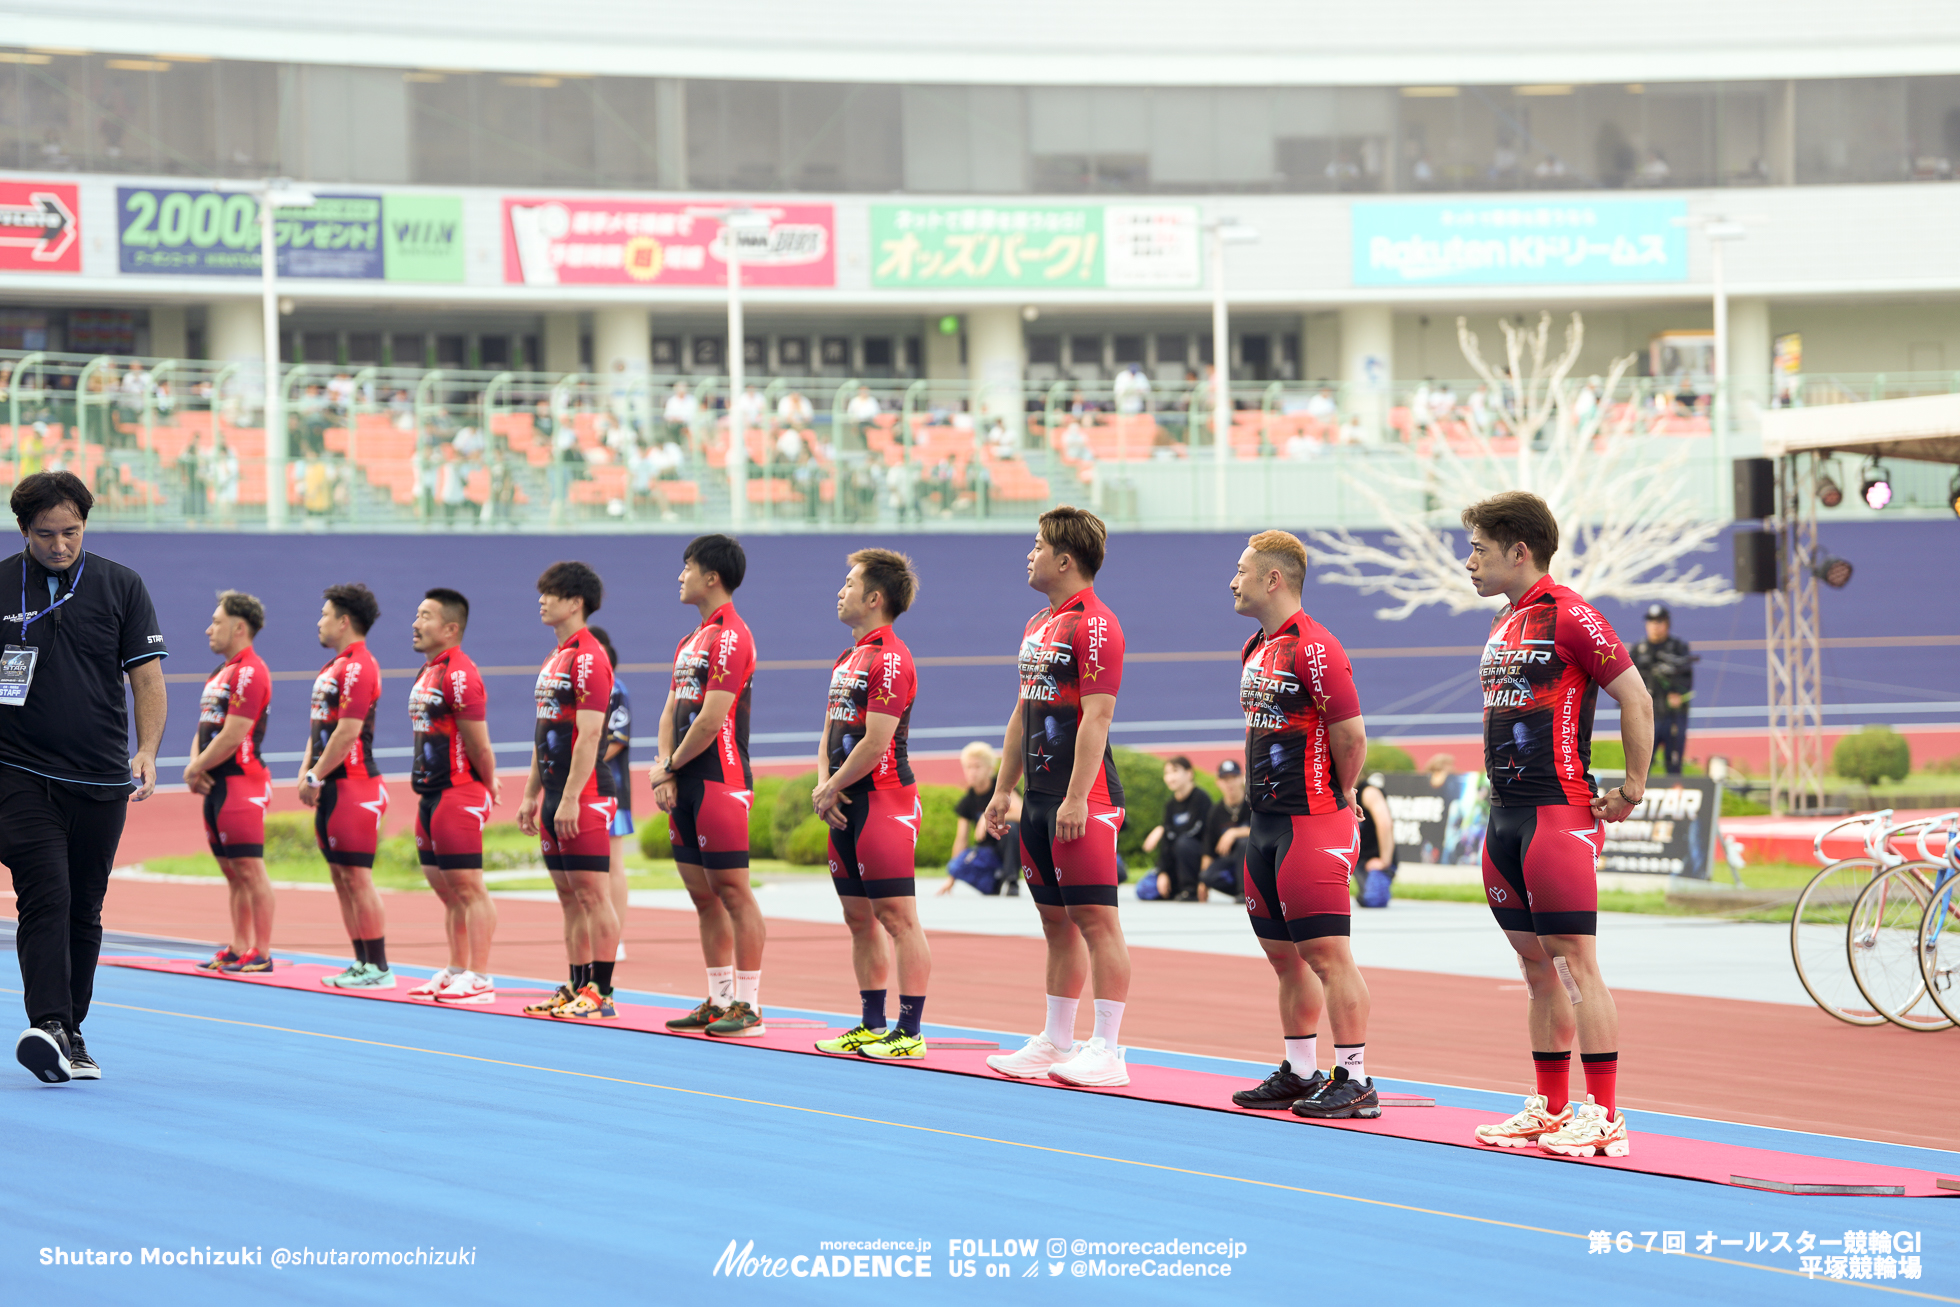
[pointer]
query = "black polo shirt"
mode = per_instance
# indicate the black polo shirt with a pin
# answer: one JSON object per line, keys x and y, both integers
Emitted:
{"x": 74, "y": 726}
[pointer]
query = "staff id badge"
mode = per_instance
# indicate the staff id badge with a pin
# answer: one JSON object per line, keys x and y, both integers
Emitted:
{"x": 17, "y": 674}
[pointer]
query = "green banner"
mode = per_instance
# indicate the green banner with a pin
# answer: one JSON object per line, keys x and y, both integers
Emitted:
{"x": 422, "y": 237}
{"x": 933, "y": 245}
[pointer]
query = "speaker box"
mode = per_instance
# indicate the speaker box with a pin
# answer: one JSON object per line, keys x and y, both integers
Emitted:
{"x": 1755, "y": 489}
{"x": 1755, "y": 558}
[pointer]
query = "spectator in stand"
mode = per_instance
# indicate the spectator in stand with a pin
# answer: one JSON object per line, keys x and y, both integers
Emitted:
{"x": 1227, "y": 829}
{"x": 1178, "y": 839}
{"x": 859, "y": 413}
{"x": 1478, "y": 411}
{"x": 340, "y": 393}
{"x": 1300, "y": 447}
{"x": 401, "y": 409}
{"x": 468, "y": 443}
{"x": 1322, "y": 407}
{"x": 987, "y": 863}
{"x": 753, "y": 408}
{"x": 1132, "y": 389}
{"x": 1000, "y": 439}
{"x": 679, "y": 414}
{"x": 793, "y": 410}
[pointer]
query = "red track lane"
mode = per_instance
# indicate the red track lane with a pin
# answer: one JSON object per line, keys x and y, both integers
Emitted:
{"x": 1763, "y": 1063}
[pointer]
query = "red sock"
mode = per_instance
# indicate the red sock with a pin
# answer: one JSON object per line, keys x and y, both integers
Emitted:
{"x": 1554, "y": 1072}
{"x": 1602, "y": 1078}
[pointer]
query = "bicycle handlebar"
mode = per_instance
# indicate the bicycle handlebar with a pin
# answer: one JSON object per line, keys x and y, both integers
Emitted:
{"x": 1817, "y": 845}
{"x": 1951, "y": 819}
{"x": 1881, "y": 847}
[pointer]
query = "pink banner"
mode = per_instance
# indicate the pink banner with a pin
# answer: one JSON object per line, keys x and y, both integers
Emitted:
{"x": 557, "y": 242}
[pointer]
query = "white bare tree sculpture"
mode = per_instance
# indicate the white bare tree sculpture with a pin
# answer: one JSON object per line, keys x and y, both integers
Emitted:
{"x": 1627, "y": 517}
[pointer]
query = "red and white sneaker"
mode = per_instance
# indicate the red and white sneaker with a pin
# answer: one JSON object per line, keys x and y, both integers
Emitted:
{"x": 1591, "y": 1130}
{"x": 433, "y": 985}
{"x": 470, "y": 988}
{"x": 1031, "y": 1061}
{"x": 1527, "y": 1127}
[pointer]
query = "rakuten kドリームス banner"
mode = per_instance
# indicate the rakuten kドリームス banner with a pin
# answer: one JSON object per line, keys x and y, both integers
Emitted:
{"x": 647, "y": 243}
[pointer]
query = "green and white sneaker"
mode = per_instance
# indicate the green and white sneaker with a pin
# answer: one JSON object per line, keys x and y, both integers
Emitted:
{"x": 851, "y": 1040}
{"x": 895, "y": 1047}
{"x": 338, "y": 979}
{"x": 370, "y": 976}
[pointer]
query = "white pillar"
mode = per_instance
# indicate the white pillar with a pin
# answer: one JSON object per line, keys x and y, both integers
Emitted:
{"x": 235, "y": 332}
{"x": 561, "y": 335}
{"x": 942, "y": 352}
{"x": 1750, "y": 345}
{"x": 995, "y": 365}
{"x": 1367, "y": 364}
{"x": 620, "y": 335}
{"x": 169, "y": 335}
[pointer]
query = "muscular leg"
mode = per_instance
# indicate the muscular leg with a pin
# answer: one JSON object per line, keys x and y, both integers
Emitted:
{"x": 1300, "y": 997}
{"x": 240, "y": 902}
{"x": 1109, "y": 955}
{"x": 1068, "y": 954}
{"x": 1331, "y": 961}
{"x": 578, "y": 950}
{"x": 619, "y": 843}
{"x": 717, "y": 927}
{"x": 454, "y": 929}
{"x": 900, "y": 918}
{"x": 1551, "y": 1020}
{"x": 593, "y": 889}
{"x": 247, "y": 875}
{"x": 1595, "y": 1016}
{"x": 744, "y": 916}
{"x": 360, "y": 906}
{"x": 478, "y": 914}
{"x": 871, "y": 960}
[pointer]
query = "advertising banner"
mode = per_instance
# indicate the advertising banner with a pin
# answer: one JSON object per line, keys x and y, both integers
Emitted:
{"x": 201, "y": 233}
{"x": 422, "y": 237}
{"x": 615, "y": 242}
{"x": 1114, "y": 246}
{"x": 1440, "y": 823}
{"x": 40, "y": 227}
{"x": 1520, "y": 243}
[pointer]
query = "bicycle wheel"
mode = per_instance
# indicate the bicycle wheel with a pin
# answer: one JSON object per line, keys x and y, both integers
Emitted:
{"x": 1939, "y": 948}
{"x": 1817, "y": 933}
{"x": 1881, "y": 943}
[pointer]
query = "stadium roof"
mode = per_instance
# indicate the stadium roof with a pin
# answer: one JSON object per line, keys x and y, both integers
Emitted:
{"x": 1041, "y": 42}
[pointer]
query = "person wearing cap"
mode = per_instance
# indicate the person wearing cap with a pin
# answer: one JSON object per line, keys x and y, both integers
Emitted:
{"x": 1666, "y": 665}
{"x": 1226, "y": 830}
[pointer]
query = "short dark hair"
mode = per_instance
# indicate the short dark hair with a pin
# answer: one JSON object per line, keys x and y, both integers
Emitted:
{"x": 1516, "y": 517}
{"x": 236, "y": 603}
{"x": 573, "y": 581}
{"x": 605, "y": 642}
{"x": 1179, "y": 760}
{"x": 1078, "y": 533}
{"x": 455, "y": 608}
{"x": 721, "y": 555}
{"x": 356, "y": 603}
{"x": 890, "y": 573}
{"x": 36, "y": 494}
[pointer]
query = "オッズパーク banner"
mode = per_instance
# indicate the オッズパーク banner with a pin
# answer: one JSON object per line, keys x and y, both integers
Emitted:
{"x": 1114, "y": 246}
{"x": 554, "y": 242}
{"x": 197, "y": 232}
{"x": 40, "y": 227}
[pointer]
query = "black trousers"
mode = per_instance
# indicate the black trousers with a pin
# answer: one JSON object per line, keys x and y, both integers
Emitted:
{"x": 1178, "y": 857}
{"x": 1670, "y": 737}
{"x": 60, "y": 846}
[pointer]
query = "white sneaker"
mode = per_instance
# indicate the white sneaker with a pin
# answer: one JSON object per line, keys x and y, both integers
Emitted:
{"x": 434, "y": 984}
{"x": 1095, "y": 1065}
{"x": 1031, "y": 1062}
{"x": 1590, "y": 1131}
{"x": 468, "y": 987}
{"x": 1526, "y": 1128}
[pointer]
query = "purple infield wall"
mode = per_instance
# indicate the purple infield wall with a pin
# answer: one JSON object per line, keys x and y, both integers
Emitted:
{"x": 1169, "y": 590}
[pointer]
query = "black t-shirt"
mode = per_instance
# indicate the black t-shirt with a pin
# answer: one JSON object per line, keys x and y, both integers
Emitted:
{"x": 75, "y": 725}
{"x": 1186, "y": 816}
{"x": 973, "y": 807}
{"x": 1223, "y": 817}
{"x": 1371, "y": 835}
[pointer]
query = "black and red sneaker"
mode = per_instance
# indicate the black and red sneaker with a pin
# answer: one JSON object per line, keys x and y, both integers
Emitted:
{"x": 222, "y": 960}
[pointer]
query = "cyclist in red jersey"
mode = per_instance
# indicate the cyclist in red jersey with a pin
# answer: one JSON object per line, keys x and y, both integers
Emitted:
{"x": 455, "y": 780}
{"x": 339, "y": 781}
{"x": 702, "y": 781}
{"x": 1071, "y": 666}
{"x": 1304, "y": 743}
{"x": 1549, "y": 654}
{"x": 866, "y": 792}
{"x": 569, "y": 800}
{"x": 228, "y": 768}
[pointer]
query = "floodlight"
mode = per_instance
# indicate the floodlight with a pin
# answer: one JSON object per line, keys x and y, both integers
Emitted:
{"x": 1877, "y": 488}
{"x": 1832, "y": 571}
{"x": 1829, "y": 493}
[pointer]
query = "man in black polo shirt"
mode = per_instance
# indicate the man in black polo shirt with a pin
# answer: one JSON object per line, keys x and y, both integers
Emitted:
{"x": 1227, "y": 832}
{"x": 84, "y": 623}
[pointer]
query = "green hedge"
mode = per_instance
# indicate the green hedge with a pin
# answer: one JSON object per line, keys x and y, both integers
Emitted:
{"x": 289, "y": 838}
{"x": 1386, "y": 757}
{"x": 808, "y": 840}
{"x": 656, "y": 843}
{"x": 1874, "y": 754}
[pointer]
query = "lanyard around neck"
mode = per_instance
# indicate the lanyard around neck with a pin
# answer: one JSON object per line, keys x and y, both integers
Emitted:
{"x": 27, "y": 621}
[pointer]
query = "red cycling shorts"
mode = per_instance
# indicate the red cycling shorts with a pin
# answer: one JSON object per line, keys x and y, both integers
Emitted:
{"x": 1541, "y": 869}
{"x": 347, "y": 820}
{"x": 234, "y": 815}
{"x": 709, "y": 825}
{"x": 1296, "y": 874}
{"x": 449, "y": 826}
{"x": 591, "y": 848}
{"x": 1082, "y": 870}
{"x": 872, "y": 857}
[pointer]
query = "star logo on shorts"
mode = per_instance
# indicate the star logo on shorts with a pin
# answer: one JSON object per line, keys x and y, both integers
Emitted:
{"x": 744, "y": 797}
{"x": 1113, "y": 820}
{"x": 911, "y": 820}
{"x": 1348, "y": 854}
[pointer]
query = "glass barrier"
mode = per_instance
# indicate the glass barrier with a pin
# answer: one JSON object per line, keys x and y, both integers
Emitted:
{"x": 180, "y": 444}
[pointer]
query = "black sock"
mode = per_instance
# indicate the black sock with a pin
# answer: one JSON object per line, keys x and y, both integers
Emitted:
{"x": 581, "y": 973}
{"x": 874, "y": 1008}
{"x": 377, "y": 954}
{"x": 909, "y": 1008}
{"x": 360, "y": 950}
{"x": 602, "y": 974}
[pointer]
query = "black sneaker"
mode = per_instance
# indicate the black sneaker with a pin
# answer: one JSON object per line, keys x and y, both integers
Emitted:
{"x": 700, "y": 1018}
{"x": 1340, "y": 1098}
{"x": 1280, "y": 1090}
{"x": 80, "y": 1065}
{"x": 43, "y": 1049}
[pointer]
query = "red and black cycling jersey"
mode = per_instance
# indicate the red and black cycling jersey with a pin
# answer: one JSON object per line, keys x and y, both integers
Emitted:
{"x": 348, "y": 688}
{"x": 1541, "y": 670}
{"x": 1293, "y": 685}
{"x": 577, "y": 677}
{"x": 1067, "y": 653}
{"x": 875, "y": 675}
{"x": 719, "y": 654}
{"x": 240, "y": 688}
{"x": 448, "y": 691}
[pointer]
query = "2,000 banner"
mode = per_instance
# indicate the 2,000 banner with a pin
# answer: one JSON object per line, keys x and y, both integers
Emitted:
{"x": 206, "y": 233}
{"x": 553, "y": 242}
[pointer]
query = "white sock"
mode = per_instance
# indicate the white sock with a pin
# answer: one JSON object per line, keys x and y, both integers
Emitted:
{"x": 1061, "y": 1021}
{"x": 746, "y": 985}
{"x": 1304, "y": 1054}
{"x": 1109, "y": 1020}
{"x": 721, "y": 985}
{"x": 1349, "y": 1057}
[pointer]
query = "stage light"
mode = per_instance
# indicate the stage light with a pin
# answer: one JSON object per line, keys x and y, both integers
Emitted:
{"x": 1877, "y": 489}
{"x": 1953, "y": 494}
{"x": 1829, "y": 493}
{"x": 1832, "y": 571}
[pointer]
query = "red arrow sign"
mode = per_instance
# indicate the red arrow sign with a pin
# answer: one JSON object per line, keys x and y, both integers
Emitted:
{"x": 38, "y": 228}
